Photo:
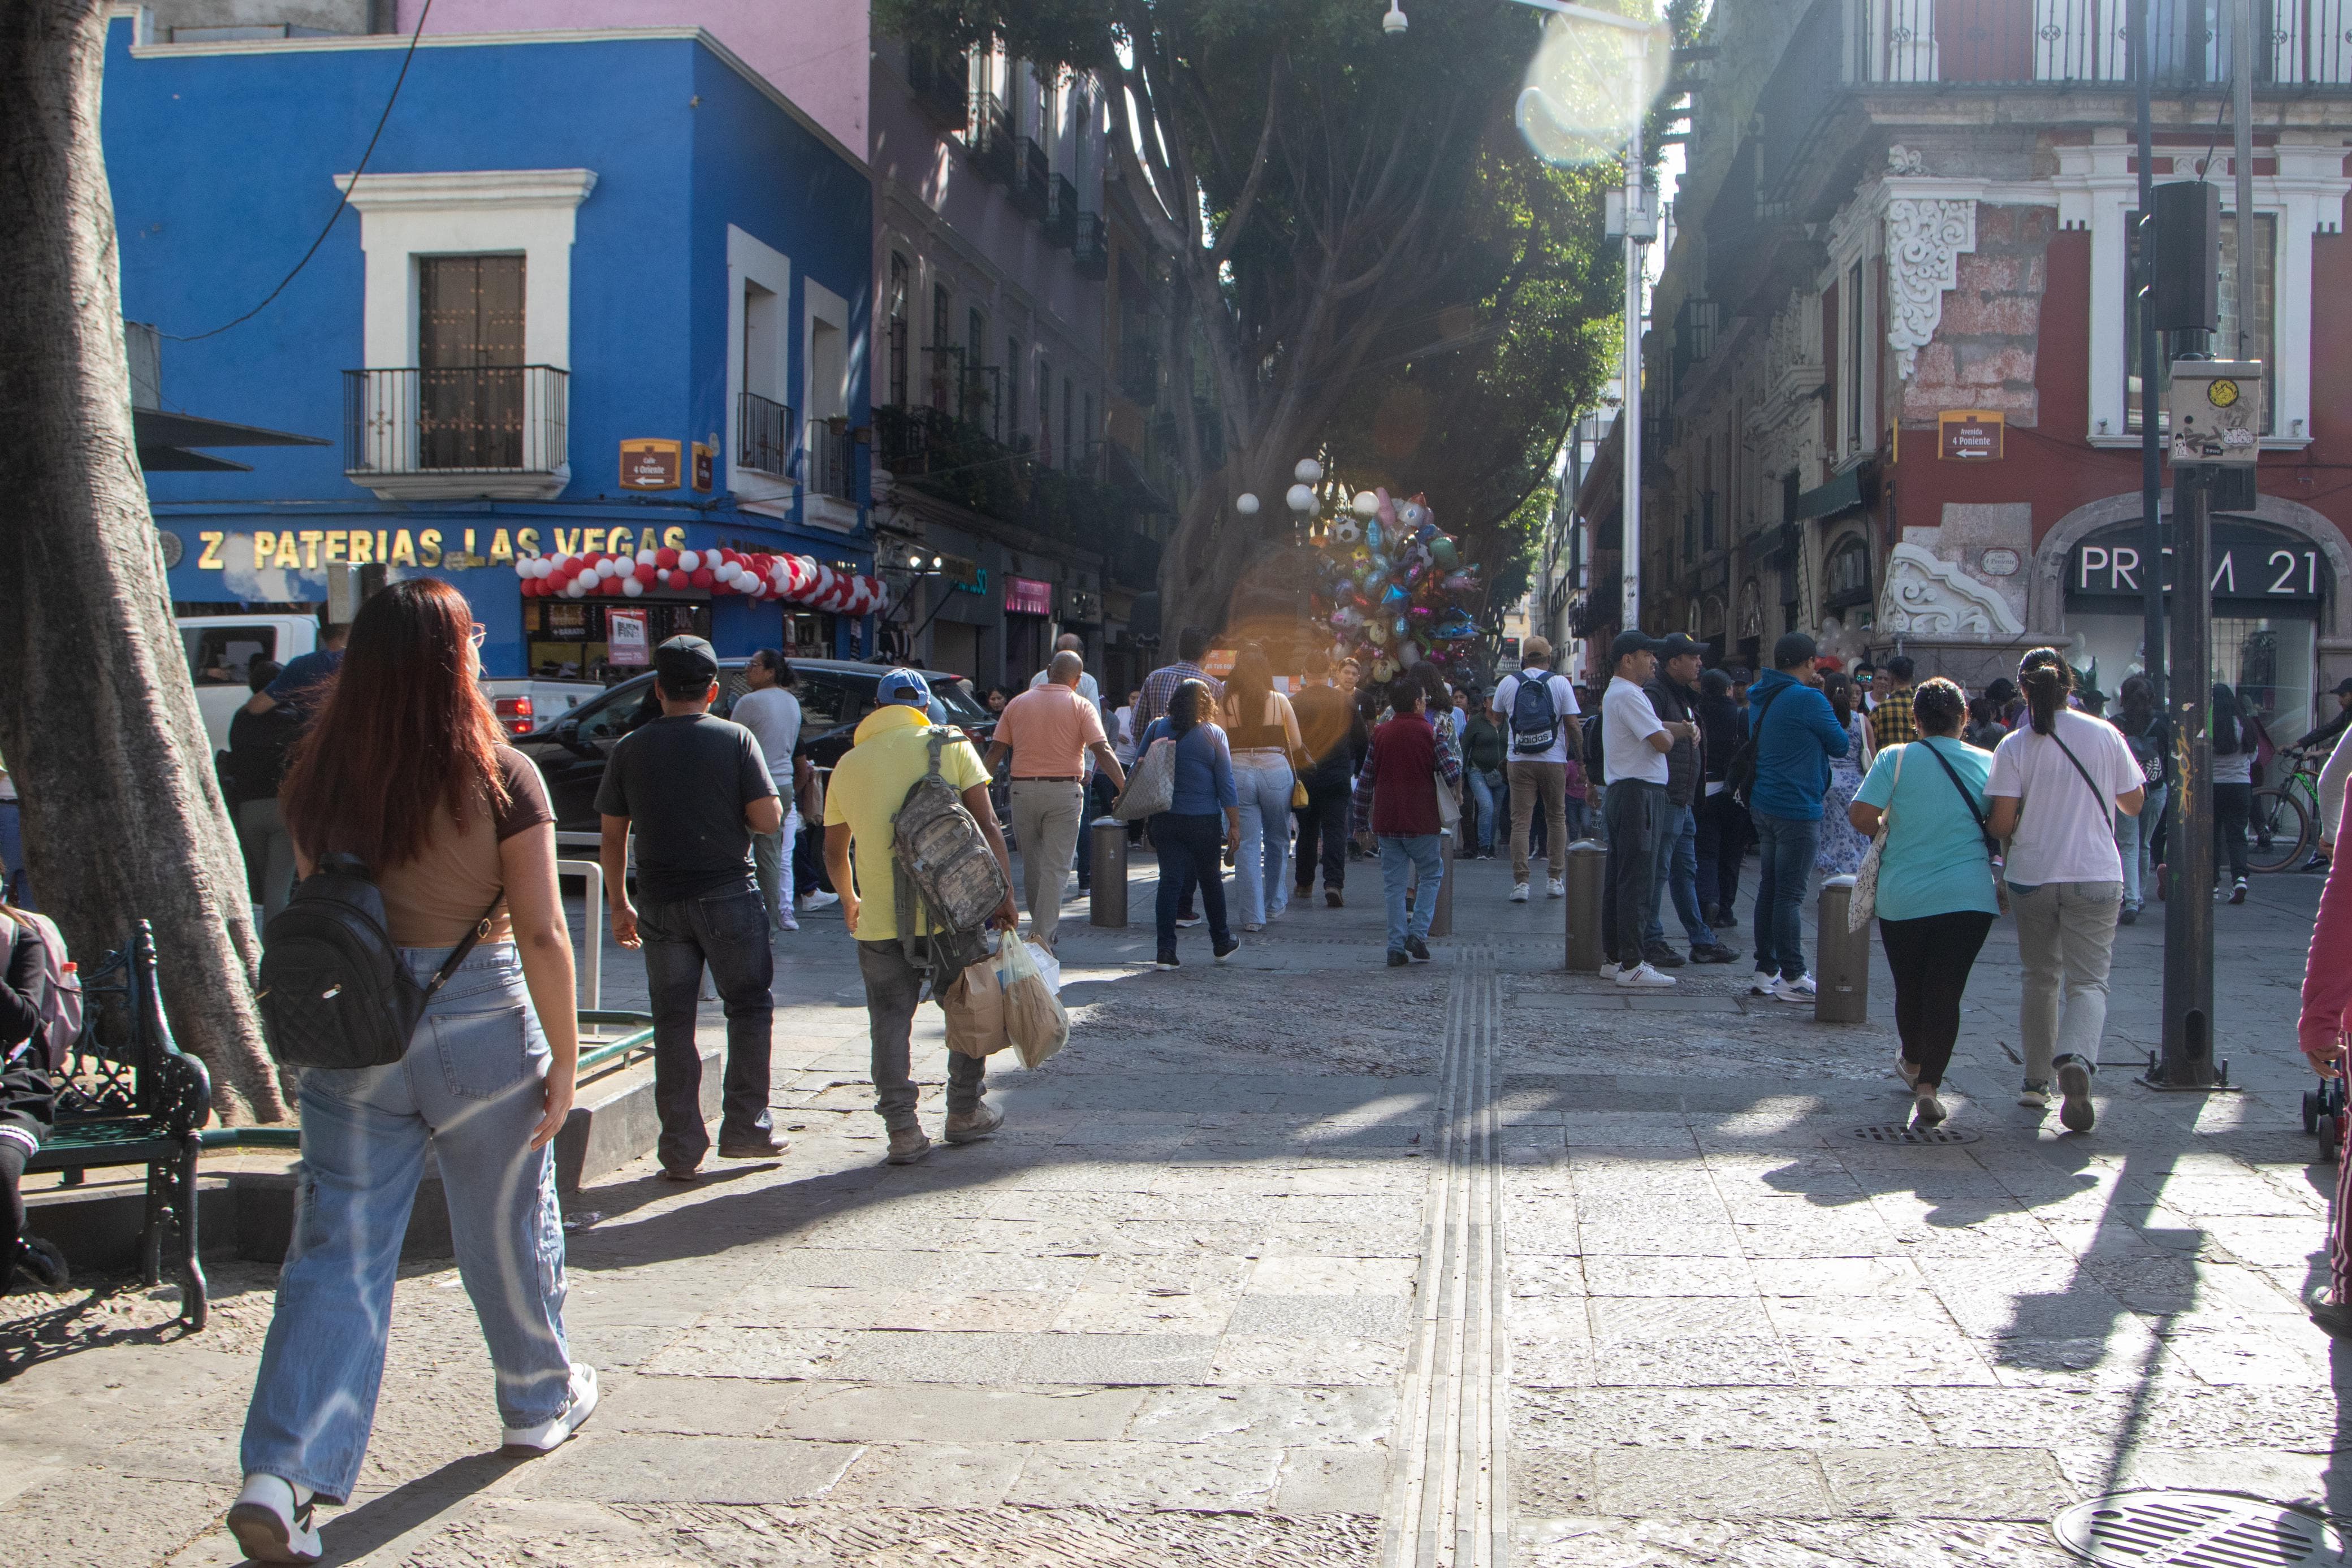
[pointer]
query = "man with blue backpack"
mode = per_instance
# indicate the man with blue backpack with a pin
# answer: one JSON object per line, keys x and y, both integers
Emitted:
{"x": 1785, "y": 775}
{"x": 1537, "y": 710}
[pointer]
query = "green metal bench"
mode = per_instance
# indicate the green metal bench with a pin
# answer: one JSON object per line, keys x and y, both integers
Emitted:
{"x": 129, "y": 1096}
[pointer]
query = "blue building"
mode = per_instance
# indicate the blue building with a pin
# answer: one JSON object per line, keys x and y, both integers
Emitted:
{"x": 597, "y": 292}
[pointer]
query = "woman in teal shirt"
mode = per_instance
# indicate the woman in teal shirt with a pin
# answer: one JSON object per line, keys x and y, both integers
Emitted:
{"x": 1937, "y": 896}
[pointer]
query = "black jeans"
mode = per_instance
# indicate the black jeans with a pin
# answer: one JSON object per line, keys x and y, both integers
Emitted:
{"x": 808, "y": 861}
{"x": 1323, "y": 827}
{"x": 1722, "y": 845}
{"x": 1632, "y": 810}
{"x": 1931, "y": 957}
{"x": 2232, "y": 805}
{"x": 893, "y": 987}
{"x": 1192, "y": 850}
{"x": 728, "y": 931}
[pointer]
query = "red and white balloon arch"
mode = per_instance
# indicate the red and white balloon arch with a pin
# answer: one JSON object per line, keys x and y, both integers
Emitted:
{"x": 748, "y": 574}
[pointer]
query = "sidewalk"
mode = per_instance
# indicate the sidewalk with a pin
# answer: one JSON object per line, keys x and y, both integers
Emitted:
{"x": 1228, "y": 1288}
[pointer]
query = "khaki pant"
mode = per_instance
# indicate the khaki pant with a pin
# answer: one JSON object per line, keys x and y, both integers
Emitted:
{"x": 2067, "y": 939}
{"x": 1045, "y": 822}
{"x": 1528, "y": 781}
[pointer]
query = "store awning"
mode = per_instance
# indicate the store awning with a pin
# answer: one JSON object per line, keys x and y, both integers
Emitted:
{"x": 165, "y": 441}
{"x": 1857, "y": 487}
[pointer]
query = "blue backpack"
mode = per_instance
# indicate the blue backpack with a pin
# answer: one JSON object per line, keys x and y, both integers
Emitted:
{"x": 1535, "y": 718}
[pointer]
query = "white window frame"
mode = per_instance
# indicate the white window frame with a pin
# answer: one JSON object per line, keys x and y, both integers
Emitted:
{"x": 821, "y": 306}
{"x": 1854, "y": 241}
{"x": 750, "y": 260}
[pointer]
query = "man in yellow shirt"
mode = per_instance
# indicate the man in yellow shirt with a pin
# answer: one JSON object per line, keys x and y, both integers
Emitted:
{"x": 869, "y": 784}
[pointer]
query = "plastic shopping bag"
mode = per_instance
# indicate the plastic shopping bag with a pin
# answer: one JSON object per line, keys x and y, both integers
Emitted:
{"x": 1033, "y": 1013}
{"x": 975, "y": 1004}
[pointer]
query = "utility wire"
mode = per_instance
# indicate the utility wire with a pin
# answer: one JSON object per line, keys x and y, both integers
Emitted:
{"x": 341, "y": 202}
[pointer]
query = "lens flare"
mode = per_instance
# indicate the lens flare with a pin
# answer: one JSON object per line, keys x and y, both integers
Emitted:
{"x": 1586, "y": 87}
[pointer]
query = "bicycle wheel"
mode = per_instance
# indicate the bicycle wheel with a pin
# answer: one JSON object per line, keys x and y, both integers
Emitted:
{"x": 2280, "y": 830}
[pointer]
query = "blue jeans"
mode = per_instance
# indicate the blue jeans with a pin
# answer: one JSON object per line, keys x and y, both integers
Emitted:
{"x": 1402, "y": 860}
{"x": 1191, "y": 849}
{"x": 1677, "y": 870}
{"x": 1261, "y": 866}
{"x": 1486, "y": 788}
{"x": 728, "y": 931}
{"x": 1784, "y": 852}
{"x": 2132, "y": 842}
{"x": 472, "y": 1086}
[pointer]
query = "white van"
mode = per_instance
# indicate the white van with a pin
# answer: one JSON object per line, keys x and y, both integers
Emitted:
{"x": 222, "y": 647}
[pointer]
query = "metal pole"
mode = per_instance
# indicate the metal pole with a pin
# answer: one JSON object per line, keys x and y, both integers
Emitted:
{"x": 2188, "y": 1058}
{"x": 2151, "y": 477}
{"x": 2241, "y": 157}
{"x": 591, "y": 962}
{"x": 1630, "y": 569}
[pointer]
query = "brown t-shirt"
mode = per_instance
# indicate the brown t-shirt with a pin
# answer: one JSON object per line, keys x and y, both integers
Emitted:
{"x": 435, "y": 899}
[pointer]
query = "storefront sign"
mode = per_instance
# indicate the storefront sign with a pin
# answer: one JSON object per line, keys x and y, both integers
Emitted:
{"x": 1970, "y": 434}
{"x": 2248, "y": 563}
{"x": 625, "y": 640}
{"x": 649, "y": 464}
{"x": 706, "y": 460}
{"x": 1028, "y": 596}
{"x": 452, "y": 549}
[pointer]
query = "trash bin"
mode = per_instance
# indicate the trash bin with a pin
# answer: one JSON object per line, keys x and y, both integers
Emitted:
{"x": 1107, "y": 902}
{"x": 1441, "y": 924}
{"x": 1841, "y": 964}
{"x": 1587, "y": 871}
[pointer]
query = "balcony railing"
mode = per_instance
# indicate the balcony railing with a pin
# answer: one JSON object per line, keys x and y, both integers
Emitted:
{"x": 1091, "y": 249}
{"x": 989, "y": 137}
{"x": 763, "y": 436}
{"x": 1062, "y": 212}
{"x": 2016, "y": 42}
{"x": 829, "y": 460}
{"x": 941, "y": 80}
{"x": 1139, "y": 368}
{"x": 465, "y": 428}
{"x": 1031, "y": 177}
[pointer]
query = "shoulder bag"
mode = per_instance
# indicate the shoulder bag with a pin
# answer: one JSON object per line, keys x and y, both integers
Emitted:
{"x": 1150, "y": 783}
{"x": 1864, "y": 902}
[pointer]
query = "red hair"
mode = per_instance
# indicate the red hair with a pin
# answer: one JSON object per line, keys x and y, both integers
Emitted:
{"x": 403, "y": 728}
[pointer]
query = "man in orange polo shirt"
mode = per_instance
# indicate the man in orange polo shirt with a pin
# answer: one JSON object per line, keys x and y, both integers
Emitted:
{"x": 1049, "y": 730}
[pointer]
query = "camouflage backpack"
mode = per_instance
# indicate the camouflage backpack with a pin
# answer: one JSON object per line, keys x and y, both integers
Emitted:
{"x": 947, "y": 878}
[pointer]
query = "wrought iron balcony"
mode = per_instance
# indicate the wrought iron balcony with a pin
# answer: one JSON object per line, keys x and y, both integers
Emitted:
{"x": 763, "y": 436}
{"x": 2013, "y": 42}
{"x": 1091, "y": 249}
{"x": 493, "y": 431}
{"x": 940, "y": 81}
{"x": 1031, "y": 178}
{"x": 989, "y": 138}
{"x": 1062, "y": 212}
{"x": 829, "y": 459}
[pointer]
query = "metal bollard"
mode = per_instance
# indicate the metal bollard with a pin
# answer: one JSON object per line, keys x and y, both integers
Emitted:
{"x": 1842, "y": 963}
{"x": 1588, "y": 869}
{"x": 1107, "y": 903}
{"x": 1441, "y": 923}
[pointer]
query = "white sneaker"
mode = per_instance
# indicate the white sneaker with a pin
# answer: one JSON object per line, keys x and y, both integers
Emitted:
{"x": 1610, "y": 971}
{"x": 1791, "y": 991}
{"x": 1763, "y": 983}
{"x": 271, "y": 1521}
{"x": 1640, "y": 976}
{"x": 1804, "y": 983}
{"x": 1558, "y": 888}
{"x": 1519, "y": 893}
{"x": 1907, "y": 1071}
{"x": 551, "y": 1434}
{"x": 820, "y": 899}
{"x": 787, "y": 920}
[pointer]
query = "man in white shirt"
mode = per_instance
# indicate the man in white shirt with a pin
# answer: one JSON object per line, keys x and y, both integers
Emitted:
{"x": 1635, "y": 743}
{"x": 1537, "y": 735}
{"x": 773, "y": 714}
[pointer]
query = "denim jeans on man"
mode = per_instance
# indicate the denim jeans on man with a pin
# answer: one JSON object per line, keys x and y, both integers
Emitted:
{"x": 1487, "y": 789}
{"x": 1784, "y": 851}
{"x": 1262, "y": 866}
{"x": 472, "y": 1086}
{"x": 728, "y": 931}
{"x": 2067, "y": 939}
{"x": 1635, "y": 810}
{"x": 893, "y": 987}
{"x": 2135, "y": 843}
{"x": 1420, "y": 859}
{"x": 1676, "y": 872}
{"x": 769, "y": 868}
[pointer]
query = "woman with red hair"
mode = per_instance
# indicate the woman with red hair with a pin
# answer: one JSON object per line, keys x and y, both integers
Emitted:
{"x": 405, "y": 769}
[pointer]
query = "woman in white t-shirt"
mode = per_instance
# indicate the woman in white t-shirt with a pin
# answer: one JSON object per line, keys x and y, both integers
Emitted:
{"x": 2057, "y": 781}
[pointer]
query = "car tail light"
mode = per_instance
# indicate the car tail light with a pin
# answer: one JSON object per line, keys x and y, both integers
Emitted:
{"x": 514, "y": 713}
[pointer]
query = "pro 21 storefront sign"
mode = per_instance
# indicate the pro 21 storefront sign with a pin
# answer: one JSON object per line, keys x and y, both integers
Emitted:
{"x": 2248, "y": 563}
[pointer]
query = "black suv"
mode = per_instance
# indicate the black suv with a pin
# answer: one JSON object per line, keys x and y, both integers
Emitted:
{"x": 834, "y": 694}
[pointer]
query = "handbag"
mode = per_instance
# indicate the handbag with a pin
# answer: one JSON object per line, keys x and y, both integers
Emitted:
{"x": 1449, "y": 809}
{"x": 1864, "y": 902}
{"x": 1150, "y": 784}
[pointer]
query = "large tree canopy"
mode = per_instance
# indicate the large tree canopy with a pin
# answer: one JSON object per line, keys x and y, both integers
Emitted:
{"x": 1365, "y": 262}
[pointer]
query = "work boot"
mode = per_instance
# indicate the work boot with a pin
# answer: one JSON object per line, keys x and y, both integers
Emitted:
{"x": 907, "y": 1145}
{"x": 971, "y": 1126}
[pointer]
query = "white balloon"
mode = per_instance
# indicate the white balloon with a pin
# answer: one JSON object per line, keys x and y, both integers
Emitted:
{"x": 631, "y": 588}
{"x": 687, "y": 561}
{"x": 645, "y": 558}
{"x": 607, "y": 567}
{"x": 1301, "y": 499}
{"x": 1308, "y": 471}
{"x": 1246, "y": 505}
{"x": 577, "y": 588}
{"x": 1367, "y": 504}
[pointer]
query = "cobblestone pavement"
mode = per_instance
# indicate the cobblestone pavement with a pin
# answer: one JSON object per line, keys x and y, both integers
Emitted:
{"x": 1302, "y": 1260}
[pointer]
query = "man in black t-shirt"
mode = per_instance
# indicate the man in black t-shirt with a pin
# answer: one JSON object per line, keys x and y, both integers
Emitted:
{"x": 695, "y": 789}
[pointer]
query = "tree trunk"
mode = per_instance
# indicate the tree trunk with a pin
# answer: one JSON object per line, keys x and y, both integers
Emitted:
{"x": 123, "y": 819}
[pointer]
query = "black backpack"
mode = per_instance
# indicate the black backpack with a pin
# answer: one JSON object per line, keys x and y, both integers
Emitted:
{"x": 334, "y": 990}
{"x": 1596, "y": 752}
{"x": 1739, "y": 773}
{"x": 1535, "y": 718}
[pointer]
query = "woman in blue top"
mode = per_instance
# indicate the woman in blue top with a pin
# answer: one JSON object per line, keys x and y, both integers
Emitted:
{"x": 1185, "y": 836}
{"x": 1936, "y": 897}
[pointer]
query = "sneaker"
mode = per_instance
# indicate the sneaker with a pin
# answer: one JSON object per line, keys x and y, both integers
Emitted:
{"x": 1167, "y": 959}
{"x": 39, "y": 1257}
{"x": 1230, "y": 946}
{"x": 1640, "y": 976}
{"x": 1660, "y": 955}
{"x": 2128, "y": 915}
{"x": 2238, "y": 894}
{"x": 820, "y": 900}
{"x": 1186, "y": 922}
{"x": 1715, "y": 953}
{"x": 971, "y": 1126}
{"x": 1927, "y": 1111}
{"x": 787, "y": 920}
{"x": 271, "y": 1521}
{"x": 1254, "y": 928}
{"x": 2075, "y": 1111}
{"x": 1397, "y": 958}
{"x": 1519, "y": 893}
{"x": 1303, "y": 893}
{"x": 1791, "y": 991}
{"x": 1331, "y": 899}
{"x": 552, "y": 1434}
{"x": 1804, "y": 983}
{"x": 2034, "y": 1092}
{"x": 1558, "y": 888}
{"x": 2330, "y": 1315}
{"x": 1418, "y": 948}
{"x": 1763, "y": 983}
{"x": 1907, "y": 1069}
{"x": 1610, "y": 971}
{"x": 907, "y": 1145}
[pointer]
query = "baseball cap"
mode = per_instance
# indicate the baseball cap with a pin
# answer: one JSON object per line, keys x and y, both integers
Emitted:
{"x": 1793, "y": 648}
{"x": 2344, "y": 686}
{"x": 1677, "y": 644}
{"x": 1633, "y": 642}
{"x": 902, "y": 686}
{"x": 686, "y": 661}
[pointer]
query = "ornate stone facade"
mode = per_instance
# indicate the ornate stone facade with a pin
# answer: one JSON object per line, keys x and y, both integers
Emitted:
{"x": 1927, "y": 597}
{"x": 1924, "y": 238}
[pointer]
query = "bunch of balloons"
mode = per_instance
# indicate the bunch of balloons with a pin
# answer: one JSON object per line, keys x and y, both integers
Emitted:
{"x": 799, "y": 578}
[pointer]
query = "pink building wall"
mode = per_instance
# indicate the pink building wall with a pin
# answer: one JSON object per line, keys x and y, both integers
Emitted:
{"x": 812, "y": 51}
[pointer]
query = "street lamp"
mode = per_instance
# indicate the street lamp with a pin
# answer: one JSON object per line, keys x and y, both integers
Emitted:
{"x": 1394, "y": 24}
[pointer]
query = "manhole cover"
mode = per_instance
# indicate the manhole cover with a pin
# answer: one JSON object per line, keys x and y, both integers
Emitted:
{"x": 2196, "y": 1529}
{"x": 1897, "y": 1132}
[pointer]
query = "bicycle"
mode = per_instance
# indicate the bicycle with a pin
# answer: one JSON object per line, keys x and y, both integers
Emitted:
{"x": 2283, "y": 820}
